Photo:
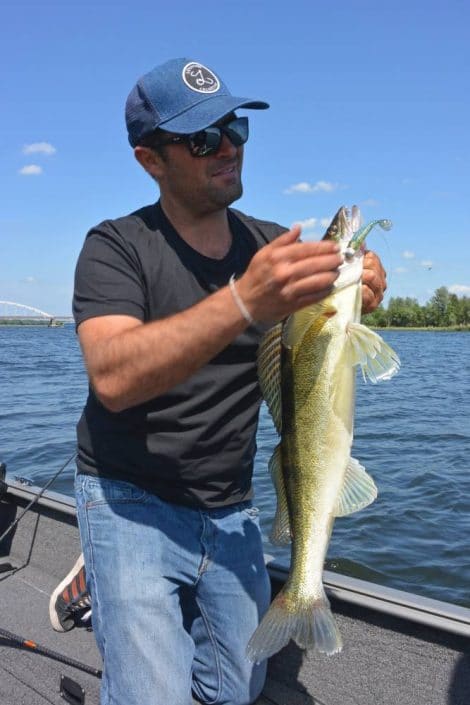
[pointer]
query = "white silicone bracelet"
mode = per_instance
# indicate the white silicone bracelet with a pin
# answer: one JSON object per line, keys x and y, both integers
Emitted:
{"x": 236, "y": 297}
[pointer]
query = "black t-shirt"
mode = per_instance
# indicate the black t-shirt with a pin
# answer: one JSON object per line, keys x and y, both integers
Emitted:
{"x": 195, "y": 444}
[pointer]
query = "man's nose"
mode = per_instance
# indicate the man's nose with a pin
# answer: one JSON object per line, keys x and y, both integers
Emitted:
{"x": 227, "y": 148}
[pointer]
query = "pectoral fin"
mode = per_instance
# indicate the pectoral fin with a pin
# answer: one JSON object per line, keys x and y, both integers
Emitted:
{"x": 299, "y": 323}
{"x": 359, "y": 490}
{"x": 365, "y": 348}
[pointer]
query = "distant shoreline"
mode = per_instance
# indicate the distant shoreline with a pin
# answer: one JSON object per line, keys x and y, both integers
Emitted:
{"x": 433, "y": 329}
{"x": 31, "y": 324}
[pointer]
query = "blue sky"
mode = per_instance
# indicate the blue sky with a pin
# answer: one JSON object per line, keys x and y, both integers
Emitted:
{"x": 369, "y": 105}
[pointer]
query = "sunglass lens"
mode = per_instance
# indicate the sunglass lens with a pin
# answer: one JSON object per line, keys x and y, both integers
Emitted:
{"x": 237, "y": 131}
{"x": 207, "y": 141}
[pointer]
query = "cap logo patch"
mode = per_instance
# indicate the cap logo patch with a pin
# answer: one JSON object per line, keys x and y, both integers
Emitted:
{"x": 200, "y": 79}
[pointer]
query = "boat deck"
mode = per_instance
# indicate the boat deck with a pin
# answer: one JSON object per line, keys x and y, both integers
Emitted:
{"x": 385, "y": 661}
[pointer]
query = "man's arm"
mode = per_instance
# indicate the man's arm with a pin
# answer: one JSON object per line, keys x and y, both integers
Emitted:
{"x": 130, "y": 362}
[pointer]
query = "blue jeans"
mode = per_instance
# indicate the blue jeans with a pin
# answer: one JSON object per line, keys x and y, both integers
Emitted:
{"x": 176, "y": 594}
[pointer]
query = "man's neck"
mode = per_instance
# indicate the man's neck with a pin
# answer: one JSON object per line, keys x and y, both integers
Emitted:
{"x": 208, "y": 234}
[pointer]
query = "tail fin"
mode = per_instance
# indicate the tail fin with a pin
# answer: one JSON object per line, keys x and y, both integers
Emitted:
{"x": 310, "y": 627}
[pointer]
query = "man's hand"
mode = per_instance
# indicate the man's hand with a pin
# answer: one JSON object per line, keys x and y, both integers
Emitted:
{"x": 287, "y": 275}
{"x": 374, "y": 282}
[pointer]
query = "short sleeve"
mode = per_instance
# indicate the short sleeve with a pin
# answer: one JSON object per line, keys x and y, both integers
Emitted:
{"x": 108, "y": 277}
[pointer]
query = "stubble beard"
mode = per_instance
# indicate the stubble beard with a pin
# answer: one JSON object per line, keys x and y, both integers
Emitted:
{"x": 221, "y": 195}
{"x": 202, "y": 195}
{"x": 220, "y": 198}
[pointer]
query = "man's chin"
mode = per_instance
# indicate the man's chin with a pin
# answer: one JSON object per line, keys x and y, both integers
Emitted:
{"x": 228, "y": 196}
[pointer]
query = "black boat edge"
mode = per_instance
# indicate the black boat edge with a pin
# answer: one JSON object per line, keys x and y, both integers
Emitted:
{"x": 399, "y": 647}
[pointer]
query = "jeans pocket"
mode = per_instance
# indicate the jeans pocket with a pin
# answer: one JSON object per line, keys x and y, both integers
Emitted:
{"x": 103, "y": 490}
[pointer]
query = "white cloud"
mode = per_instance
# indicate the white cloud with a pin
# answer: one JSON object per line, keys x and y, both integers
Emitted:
{"x": 426, "y": 263}
{"x": 310, "y": 223}
{"x": 307, "y": 224}
{"x": 408, "y": 255}
{"x": 39, "y": 148}
{"x": 460, "y": 289}
{"x": 30, "y": 280}
{"x": 370, "y": 202}
{"x": 30, "y": 170}
{"x": 400, "y": 270}
{"x": 305, "y": 187}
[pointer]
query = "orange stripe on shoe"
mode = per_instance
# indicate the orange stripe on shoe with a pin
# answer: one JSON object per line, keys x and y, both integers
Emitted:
{"x": 82, "y": 581}
{"x": 75, "y": 591}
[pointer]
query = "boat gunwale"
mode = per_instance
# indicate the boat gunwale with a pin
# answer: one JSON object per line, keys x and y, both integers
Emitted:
{"x": 430, "y": 612}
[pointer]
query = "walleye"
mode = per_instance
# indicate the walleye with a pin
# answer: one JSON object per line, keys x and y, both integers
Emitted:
{"x": 307, "y": 369}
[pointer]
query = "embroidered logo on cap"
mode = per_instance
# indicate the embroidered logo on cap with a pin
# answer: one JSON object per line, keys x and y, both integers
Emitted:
{"x": 199, "y": 78}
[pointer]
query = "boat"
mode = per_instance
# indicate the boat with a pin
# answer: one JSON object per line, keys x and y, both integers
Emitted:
{"x": 399, "y": 648}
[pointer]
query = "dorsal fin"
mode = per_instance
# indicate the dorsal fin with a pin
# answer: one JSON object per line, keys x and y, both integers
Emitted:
{"x": 269, "y": 373}
{"x": 280, "y": 532}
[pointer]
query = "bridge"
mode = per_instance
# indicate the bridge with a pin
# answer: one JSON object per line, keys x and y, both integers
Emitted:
{"x": 12, "y": 312}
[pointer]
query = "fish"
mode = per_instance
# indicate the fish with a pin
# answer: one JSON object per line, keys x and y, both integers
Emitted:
{"x": 307, "y": 368}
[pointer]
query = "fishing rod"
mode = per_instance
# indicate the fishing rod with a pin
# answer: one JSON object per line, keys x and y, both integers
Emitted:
{"x": 30, "y": 643}
{"x": 45, "y": 651}
{"x": 36, "y": 498}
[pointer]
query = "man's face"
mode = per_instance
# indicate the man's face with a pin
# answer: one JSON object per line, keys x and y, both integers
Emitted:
{"x": 201, "y": 185}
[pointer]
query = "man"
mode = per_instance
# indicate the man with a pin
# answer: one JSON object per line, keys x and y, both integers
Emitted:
{"x": 170, "y": 304}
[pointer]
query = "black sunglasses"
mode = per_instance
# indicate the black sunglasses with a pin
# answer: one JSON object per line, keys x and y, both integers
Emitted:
{"x": 208, "y": 141}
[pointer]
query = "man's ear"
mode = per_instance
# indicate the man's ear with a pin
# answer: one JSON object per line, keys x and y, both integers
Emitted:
{"x": 150, "y": 160}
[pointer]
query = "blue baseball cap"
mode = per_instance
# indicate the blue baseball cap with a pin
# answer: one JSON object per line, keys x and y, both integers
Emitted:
{"x": 181, "y": 96}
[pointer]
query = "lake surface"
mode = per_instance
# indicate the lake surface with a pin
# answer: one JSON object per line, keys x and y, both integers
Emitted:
{"x": 412, "y": 434}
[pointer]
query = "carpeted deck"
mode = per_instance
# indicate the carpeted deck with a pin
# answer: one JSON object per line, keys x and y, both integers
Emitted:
{"x": 385, "y": 661}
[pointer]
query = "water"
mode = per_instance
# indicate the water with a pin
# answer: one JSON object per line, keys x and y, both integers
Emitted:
{"x": 412, "y": 435}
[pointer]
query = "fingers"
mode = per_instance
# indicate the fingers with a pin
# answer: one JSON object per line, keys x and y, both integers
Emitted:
{"x": 290, "y": 269}
{"x": 288, "y": 274}
{"x": 374, "y": 282}
{"x": 288, "y": 248}
{"x": 317, "y": 282}
{"x": 372, "y": 262}
{"x": 288, "y": 237}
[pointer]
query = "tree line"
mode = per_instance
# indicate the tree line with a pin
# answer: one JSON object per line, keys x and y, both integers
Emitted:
{"x": 443, "y": 310}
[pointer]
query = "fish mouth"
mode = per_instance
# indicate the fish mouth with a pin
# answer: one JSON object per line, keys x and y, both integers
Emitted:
{"x": 346, "y": 230}
{"x": 343, "y": 225}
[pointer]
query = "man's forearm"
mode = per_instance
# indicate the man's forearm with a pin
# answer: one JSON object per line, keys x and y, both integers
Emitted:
{"x": 145, "y": 360}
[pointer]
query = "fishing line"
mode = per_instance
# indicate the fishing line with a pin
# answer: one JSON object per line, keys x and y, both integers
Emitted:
{"x": 37, "y": 497}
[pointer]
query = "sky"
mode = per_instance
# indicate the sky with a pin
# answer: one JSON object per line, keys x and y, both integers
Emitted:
{"x": 369, "y": 106}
